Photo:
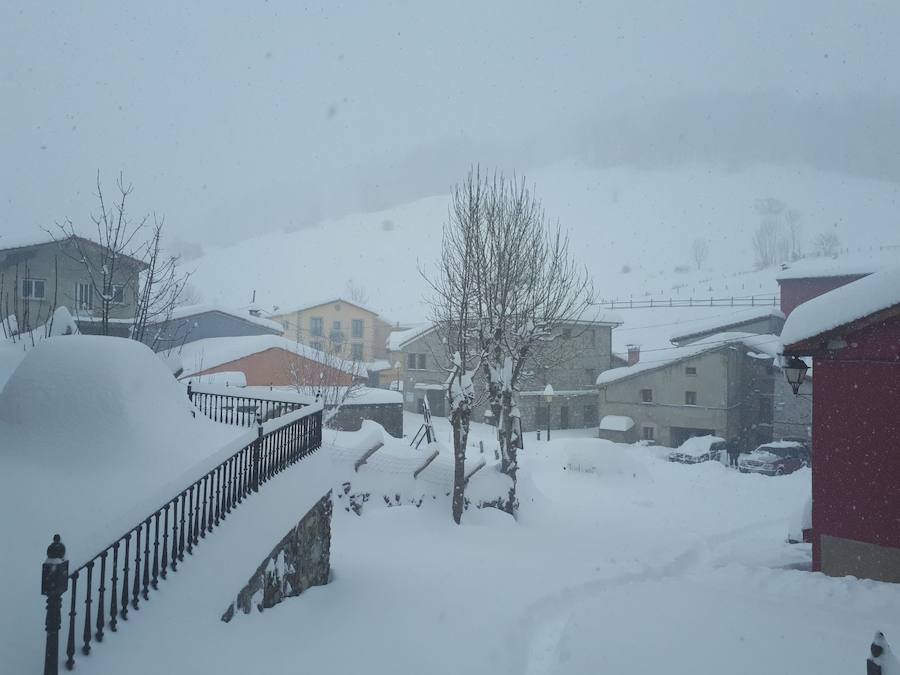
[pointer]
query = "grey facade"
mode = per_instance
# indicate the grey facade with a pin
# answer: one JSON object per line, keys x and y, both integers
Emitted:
{"x": 768, "y": 323}
{"x": 722, "y": 391}
{"x": 37, "y": 278}
{"x": 204, "y": 324}
{"x": 587, "y": 347}
{"x": 793, "y": 414}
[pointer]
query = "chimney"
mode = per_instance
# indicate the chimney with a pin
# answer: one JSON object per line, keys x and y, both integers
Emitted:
{"x": 634, "y": 354}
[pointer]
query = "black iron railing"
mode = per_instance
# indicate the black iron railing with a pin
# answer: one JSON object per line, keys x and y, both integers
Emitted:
{"x": 114, "y": 582}
{"x": 230, "y": 408}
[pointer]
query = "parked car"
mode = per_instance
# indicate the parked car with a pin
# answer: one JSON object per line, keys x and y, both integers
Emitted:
{"x": 698, "y": 449}
{"x": 776, "y": 458}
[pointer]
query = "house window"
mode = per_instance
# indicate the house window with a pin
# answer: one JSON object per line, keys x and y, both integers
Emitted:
{"x": 356, "y": 328}
{"x": 567, "y": 333}
{"x": 336, "y": 325}
{"x": 690, "y": 398}
{"x": 117, "y": 294}
{"x": 411, "y": 361}
{"x": 316, "y": 326}
{"x": 646, "y": 395}
{"x": 316, "y": 345}
{"x": 422, "y": 364}
{"x": 356, "y": 351}
{"x": 592, "y": 337}
{"x": 84, "y": 296}
{"x": 690, "y": 371}
{"x": 591, "y": 374}
{"x": 33, "y": 289}
{"x": 648, "y": 433}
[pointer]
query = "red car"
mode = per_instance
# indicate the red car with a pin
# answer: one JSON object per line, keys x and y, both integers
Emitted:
{"x": 775, "y": 459}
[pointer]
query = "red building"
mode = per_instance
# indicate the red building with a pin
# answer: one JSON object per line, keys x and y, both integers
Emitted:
{"x": 266, "y": 360}
{"x": 853, "y": 336}
{"x": 808, "y": 279}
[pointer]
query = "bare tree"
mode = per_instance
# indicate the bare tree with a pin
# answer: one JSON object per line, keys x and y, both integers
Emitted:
{"x": 699, "y": 252}
{"x": 122, "y": 264}
{"x": 793, "y": 218}
{"x": 328, "y": 376}
{"x": 453, "y": 312}
{"x": 530, "y": 298}
{"x": 826, "y": 244}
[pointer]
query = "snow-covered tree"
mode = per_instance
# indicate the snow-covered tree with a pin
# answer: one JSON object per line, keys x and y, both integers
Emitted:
{"x": 452, "y": 305}
{"x": 529, "y": 292}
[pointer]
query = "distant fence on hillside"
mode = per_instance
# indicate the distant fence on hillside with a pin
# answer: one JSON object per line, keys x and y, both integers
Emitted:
{"x": 102, "y": 590}
{"x": 748, "y": 301}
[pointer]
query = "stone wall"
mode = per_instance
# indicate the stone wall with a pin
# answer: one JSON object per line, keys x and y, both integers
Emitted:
{"x": 351, "y": 415}
{"x": 300, "y": 560}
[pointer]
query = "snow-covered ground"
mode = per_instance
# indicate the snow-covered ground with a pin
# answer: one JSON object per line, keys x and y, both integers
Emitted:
{"x": 639, "y": 566}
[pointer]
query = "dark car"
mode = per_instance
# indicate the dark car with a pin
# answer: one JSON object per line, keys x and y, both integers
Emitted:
{"x": 698, "y": 449}
{"x": 776, "y": 458}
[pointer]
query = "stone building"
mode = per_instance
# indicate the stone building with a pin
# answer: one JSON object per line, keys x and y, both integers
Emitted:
{"x": 722, "y": 386}
{"x": 420, "y": 372}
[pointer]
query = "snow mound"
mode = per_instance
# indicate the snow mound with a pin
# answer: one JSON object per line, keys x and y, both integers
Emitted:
{"x": 601, "y": 457}
{"x": 88, "y": 384}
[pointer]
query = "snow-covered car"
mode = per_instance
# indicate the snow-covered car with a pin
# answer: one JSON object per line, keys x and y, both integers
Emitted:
{"x": 776, "y": 458}
{"x": 698, "y": 449}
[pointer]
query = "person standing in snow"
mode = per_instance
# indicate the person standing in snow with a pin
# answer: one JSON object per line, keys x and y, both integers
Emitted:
{"x": 733, "y": 453}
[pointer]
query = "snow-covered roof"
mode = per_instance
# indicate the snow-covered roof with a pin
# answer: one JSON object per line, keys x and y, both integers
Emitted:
{"x": 616, "y": 423}
{"x": 327, "y": 301}
{"x": 764, "y": 344}
{"x": 43, "y": 238}
{"x": 379, "y": 365}
{"x": 812, "y": 268}
{"x": 195, "y": 310}
{"x": 732, "y": 320}
{"x": 398, "y": 338}
{"x": 211, "y": 352}
{"x": 843, "y": 306}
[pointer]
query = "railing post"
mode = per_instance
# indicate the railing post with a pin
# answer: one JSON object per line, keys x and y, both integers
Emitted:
{"x": 190, "y": 392}
{"x": 257, "y": 451}
{"x": 875, "y": 663}
{"x": 54, "y": 582}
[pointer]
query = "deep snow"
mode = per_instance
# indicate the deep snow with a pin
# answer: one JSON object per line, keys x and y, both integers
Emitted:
{"x": 660, "y": 568}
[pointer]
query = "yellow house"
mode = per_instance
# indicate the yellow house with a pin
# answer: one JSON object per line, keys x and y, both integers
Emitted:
{"x": 340, "y": 327}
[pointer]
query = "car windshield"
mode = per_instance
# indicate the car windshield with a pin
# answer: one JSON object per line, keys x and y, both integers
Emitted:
{"x": 470, "y": 337}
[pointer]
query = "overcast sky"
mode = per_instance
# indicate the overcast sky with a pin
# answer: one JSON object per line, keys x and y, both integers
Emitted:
{"x": 235, "y": 118}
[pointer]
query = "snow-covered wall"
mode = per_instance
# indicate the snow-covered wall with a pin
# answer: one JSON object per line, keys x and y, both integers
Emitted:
{"x": 300, "y": 560}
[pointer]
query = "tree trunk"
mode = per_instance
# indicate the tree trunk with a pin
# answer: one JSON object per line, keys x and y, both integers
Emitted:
{"x": 508, "y": 449}
{"x": 460, "y": 421}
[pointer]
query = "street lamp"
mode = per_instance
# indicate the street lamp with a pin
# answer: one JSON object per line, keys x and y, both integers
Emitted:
{"x": 795, "y": 372}
{"x": 548, "y": 397}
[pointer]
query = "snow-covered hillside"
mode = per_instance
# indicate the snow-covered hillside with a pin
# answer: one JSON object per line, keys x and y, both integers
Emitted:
{"x": 632, "y": 228}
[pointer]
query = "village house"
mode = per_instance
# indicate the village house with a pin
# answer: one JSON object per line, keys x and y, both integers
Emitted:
{"x": 337, "y": 326}
{"x": 420, "y": 372}
{"x": 264, "y": 360}
{"x": 190, "y": 323}
{"x": 853, "y": 336}
{"x": 39, "y": 275}
{"x": 722, "y": 386}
